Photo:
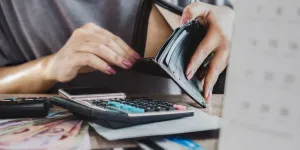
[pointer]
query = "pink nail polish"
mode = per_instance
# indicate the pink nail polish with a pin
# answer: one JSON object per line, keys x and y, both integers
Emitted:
{"x": 132, "y": 60}
{"x": 190, "y": 74}
{"x": 136, "y": 56}
{"x": 206, "y": 94}
{"x": 185, "y": 20}
{"x": 127, "y": 63}
{"x": 110, "y": 70}
{"x": 179, "y": 107}
{"x": 209, "y": 95}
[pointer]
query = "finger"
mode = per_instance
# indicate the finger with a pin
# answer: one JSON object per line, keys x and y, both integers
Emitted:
{"x": 217, "y": 65}
{"x": 125, "y": 48}
{"x": 106, "y": 54}
{"x": 207, "y": 45}
{"x": 110, "y": 43}
{"x": 202, "y": 83}
{"x": 97, "y": 38}
{"x": 207, "y": 99}
{"x": 203, "y": 73}
{"x": 194, "y": 10}
{"x": 88, "y": 59}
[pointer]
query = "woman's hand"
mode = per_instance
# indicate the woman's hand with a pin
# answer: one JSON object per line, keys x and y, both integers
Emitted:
{"x": 90, "y": 48}
{"x": 218, "y": 20}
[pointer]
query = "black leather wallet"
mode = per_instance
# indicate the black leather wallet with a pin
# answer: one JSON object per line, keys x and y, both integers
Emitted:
{"x": 173, "y": 57}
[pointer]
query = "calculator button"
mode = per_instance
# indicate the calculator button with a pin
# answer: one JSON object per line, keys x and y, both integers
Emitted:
{"x": 140, "y": 105}
{"x": 171, "y": 108}
{"x": 137, "y": 110}
{"x": 179, "y": 107}
{"x": 29, "y": 99}
{"x": 160, "y": 109}
{"x": 125, "y": 107}
{"x": 19, "y": 99}
{"x": 95, "y": 102}
{"x": 149, "y": 109}
{"x": 6, "y": 100}
{"x": 123, "y": 102}
{"x": 9, "y": 99}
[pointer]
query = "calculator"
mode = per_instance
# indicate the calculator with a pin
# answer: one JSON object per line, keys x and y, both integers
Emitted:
{"x": 120, "y": 113}
{"x": 24, "y": 107}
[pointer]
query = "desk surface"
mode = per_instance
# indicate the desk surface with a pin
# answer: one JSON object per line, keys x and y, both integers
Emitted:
{"x": 206, "y": 139}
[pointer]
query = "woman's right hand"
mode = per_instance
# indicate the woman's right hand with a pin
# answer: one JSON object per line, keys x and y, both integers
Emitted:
{"x": 89, "y": 48}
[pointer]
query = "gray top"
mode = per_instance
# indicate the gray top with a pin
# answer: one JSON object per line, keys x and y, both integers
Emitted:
{"x": 34, "y": 28}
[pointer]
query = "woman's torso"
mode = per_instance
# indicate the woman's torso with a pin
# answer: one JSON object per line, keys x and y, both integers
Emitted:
{"x": 32, "y": 29}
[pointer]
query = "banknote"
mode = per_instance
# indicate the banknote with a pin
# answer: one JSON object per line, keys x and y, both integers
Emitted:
{"x": 82, "y": 140}
{"x": 49, "y": 137}
{"x": 28, "y": 130}
{"x": 62, "y": 134}
{"x": 8, "y": 125}
{"x": 6, "y": 120}
{"x": 79, "y": 142}
{"x": 11, "y": 127}
{"x": 59, "y": 130}
{"x": 13, "y": 122}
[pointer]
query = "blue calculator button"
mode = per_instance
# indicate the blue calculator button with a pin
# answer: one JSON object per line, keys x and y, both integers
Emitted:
{"x": 114, "y": 104}
{"x": 125, "y": 107}
{"x": 138, "y": 110}
{"x": 9, "y": 99}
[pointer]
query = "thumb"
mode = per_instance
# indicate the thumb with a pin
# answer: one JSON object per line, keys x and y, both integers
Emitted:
{"x": 194, "y": 10}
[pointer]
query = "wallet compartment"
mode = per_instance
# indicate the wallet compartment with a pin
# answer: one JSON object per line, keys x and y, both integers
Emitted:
{"x": 182, "y": 51}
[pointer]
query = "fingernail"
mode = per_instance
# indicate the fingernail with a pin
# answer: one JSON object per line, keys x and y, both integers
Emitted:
{"x": 185, "y": 20}
{"x": 110, "y": 70}
{"x": 132, "y": 60}
{"x": 127, "y": 63}
{"x": 209, "y": 95}
{"x": 206, "y": 95}
{"x": 190, "y": 74}
{"x": 136, "y": 56}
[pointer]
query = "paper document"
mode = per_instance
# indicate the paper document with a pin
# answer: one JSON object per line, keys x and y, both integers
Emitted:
{"x": 199, "y": 122}
{"x": 261, "y": 104}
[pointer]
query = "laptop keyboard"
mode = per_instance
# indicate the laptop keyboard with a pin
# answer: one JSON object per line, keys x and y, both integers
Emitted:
{"x": 138, "y": 105}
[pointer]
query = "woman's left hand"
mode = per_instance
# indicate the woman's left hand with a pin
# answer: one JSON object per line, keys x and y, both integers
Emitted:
{"x": 218, "y": 20}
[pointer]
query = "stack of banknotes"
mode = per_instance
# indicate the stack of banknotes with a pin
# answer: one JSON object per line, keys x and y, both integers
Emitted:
{"x": 59, "y": 130}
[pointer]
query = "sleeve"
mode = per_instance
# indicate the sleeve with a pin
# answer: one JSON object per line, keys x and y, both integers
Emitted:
{"x": 4, "y": 49}
{"x": 180, "y": 4}
{"x": 4, "y": 44}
